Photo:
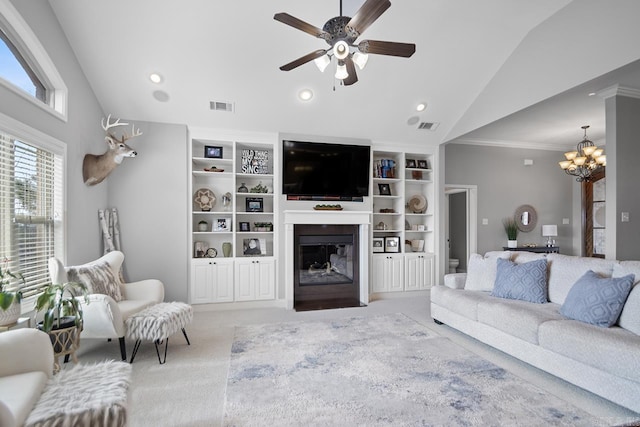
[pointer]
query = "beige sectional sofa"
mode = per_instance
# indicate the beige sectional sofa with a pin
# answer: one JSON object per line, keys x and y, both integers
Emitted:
{"x": 604, "y": 361}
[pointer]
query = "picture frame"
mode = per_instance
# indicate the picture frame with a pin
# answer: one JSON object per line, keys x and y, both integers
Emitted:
{"x": 392, "y": 244}
{"x": 411, "y": 163}
{"x": 212, "y": 152}
{"x": 223, "y": 224}
{"x": 244, "y": 226}
{"x": 385, "y": 189}
{"x": 254, "y": 204}
{"x": 378, "y": 244}
{"x": 254, "y": 246}
{"x": 422, "y": 164}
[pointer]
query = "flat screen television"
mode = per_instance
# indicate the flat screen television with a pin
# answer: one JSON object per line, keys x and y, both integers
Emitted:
{"x": 314, "y": 169}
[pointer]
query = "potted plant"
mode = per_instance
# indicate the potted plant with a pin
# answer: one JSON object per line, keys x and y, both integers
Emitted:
{"x": 10, "y": 294}
{"x": 62, "y": 318}
{"x": 511, "y": 228}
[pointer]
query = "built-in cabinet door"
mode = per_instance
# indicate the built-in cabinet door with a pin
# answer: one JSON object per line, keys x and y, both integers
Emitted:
{"x": 255, "y": 279}
{"x": 418, "y": 273}
{"x": 211, "y": 281}
{"x": 387, "y": 273}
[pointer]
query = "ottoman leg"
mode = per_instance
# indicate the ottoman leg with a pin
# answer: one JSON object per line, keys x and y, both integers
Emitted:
{"x": 166, "y": 345}
{"x": 185, "y": 336}
{"x": 136, "y": 346}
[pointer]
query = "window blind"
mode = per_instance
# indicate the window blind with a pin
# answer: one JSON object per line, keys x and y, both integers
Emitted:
{"x": 30, "y": 196}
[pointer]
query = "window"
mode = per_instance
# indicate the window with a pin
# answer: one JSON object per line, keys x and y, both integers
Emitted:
{"x": 31, "y": 206}
{"x": 16, "y": 70}
{"x": 593, "y": 216}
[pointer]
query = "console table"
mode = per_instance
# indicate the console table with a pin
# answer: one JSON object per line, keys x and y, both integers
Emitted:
{"x": 536, "y": 249}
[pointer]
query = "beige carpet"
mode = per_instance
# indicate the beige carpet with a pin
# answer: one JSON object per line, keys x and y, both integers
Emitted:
{"x": 189, "y": 390}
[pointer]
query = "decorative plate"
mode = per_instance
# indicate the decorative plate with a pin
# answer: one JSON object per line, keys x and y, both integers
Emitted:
{"x": 418, "y": 203}
{"x": 211, "y": 253}
{"x": 204, "y": 199}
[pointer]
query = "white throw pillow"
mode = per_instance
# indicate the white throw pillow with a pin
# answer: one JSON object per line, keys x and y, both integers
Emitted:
{"x": 481, "y": 270}
{"x": 630, "y": 316}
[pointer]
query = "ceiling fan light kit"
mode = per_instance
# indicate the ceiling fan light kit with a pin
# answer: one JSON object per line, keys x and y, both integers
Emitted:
{"x": 341, "y": 33}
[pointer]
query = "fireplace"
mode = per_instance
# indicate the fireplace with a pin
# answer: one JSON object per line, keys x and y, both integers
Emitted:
{"x": 326, "y": 271}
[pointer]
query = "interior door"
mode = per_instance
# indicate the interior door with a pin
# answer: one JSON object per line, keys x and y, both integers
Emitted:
{"x": 593, "y": 216}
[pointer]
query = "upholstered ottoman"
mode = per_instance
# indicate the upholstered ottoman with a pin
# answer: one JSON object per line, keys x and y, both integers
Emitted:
{"x": 157, "y": 323}
{"x": 86, "y": 395}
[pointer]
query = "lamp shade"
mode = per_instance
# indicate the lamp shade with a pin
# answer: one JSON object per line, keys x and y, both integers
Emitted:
{"x": 549, "y": 230}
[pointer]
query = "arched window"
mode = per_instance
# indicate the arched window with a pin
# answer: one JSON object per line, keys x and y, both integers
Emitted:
{"x": 25, "y": 67}
{"x": 17, "y": 71}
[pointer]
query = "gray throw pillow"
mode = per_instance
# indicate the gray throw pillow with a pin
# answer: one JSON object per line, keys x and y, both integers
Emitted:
{"x": 597, "y": 300}
{"x": 525, "y": 282}
{"x": 98, "y": 278}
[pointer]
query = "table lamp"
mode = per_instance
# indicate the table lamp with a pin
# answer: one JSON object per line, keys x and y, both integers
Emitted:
{"x": 549, "y": 231}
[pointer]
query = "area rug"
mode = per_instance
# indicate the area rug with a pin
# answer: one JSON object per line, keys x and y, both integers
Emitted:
{"x": 386, "y": 370}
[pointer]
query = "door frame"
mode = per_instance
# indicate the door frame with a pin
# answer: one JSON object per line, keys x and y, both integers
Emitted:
{"x": 471, "y": 193}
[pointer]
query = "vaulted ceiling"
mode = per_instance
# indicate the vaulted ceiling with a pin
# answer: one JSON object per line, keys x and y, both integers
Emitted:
{"x": 511, "y": 71}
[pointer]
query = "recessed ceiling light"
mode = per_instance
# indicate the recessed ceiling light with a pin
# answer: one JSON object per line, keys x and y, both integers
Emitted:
{"x": 592, "y": 94}
{"x": 155, "y": 77}
{"x": 421, "y": 107}
{"x": 305, "y": 95}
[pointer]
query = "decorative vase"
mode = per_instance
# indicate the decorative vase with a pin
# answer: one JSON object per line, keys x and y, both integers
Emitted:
{"x": 243, "y": 188}
{"x": 226, "y": 249}
{"x": 203, "y": 226}
{"x": 10, "y": 315}
{"x": 512, "y": 243}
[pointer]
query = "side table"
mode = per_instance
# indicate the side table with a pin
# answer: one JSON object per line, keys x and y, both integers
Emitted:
{"x": 536, "y": 249}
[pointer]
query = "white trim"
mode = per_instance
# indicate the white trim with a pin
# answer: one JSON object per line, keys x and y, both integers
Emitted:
{"x": 30, "y": 47}
{"x": 619, "y": 90}
{"x": 509, "y": 144}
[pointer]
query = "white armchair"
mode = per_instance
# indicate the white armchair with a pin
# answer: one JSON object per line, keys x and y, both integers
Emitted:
{"x": 104, "y": 317}
{"x": 27, "y": 364}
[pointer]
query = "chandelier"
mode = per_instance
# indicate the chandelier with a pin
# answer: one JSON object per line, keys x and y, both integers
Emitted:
{"x": 585, "y": 161}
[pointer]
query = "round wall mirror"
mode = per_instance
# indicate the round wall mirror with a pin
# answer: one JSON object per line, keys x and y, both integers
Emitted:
{"x": 526, "y": 218}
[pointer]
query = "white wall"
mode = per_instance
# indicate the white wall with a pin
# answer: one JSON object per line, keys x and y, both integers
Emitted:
{"x": 81, "y": 132}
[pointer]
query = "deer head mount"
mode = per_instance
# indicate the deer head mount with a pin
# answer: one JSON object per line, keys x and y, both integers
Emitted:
{"x": 95, "y": 168}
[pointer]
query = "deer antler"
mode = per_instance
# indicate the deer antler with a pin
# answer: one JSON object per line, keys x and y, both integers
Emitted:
{"x": 110, "y": 125}
{"x": 134, "y": 132}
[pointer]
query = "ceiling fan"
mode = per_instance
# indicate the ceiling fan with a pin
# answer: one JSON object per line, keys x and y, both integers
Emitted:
{"x": 341, "y": 33}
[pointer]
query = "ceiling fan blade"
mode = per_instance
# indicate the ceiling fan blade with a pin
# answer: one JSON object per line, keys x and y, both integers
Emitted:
{"x": 365, "y": 16}
{"x": 303, "y": 60}
{"x": 299, "y": 24}
{"x": 351, "y": 69}
{"x": 387, "y": 48}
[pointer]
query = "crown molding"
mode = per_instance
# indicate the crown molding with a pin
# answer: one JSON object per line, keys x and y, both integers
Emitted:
{"x": 617, "y": 90}
{"x": 510, "y": 144}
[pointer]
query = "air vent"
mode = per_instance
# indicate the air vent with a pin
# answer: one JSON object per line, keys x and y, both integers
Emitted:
{"x": 428, "y": 126}
{"x": 221, "y": 106}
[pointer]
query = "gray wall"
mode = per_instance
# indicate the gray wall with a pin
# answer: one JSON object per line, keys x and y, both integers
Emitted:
{"x": 150, "y": 193}
{"x": 81, "y": 132}
{"x": 504, "y": 183}
{"x": 622, "y": 150}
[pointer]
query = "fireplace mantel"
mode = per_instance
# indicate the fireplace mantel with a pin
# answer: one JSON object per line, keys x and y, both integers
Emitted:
{"x": 360, "y": 218}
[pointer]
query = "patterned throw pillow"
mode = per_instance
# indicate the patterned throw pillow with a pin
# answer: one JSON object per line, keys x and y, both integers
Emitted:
{"x": 597, "y": 300}
{"x": 98, "y": 278}
{"x": 525, "y": 282}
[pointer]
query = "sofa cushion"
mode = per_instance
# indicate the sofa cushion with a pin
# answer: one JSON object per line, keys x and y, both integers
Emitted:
{"x": 597, "y": 300}
{"x": 630, "y": 316}
{"x": 518, "y": 318}
{"x": 98, "y": 278}
{"x": 481, "y": 270}
{"x": 520, "y": 257}
{"x": 20, "y": 393}
{"x": 565, "y": 270}
{"x": 614, "y": 350}
{"x": 525, "y": 282}
{"x": 462, "y": 302}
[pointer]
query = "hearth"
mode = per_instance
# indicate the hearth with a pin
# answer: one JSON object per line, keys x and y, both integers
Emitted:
{"x": 326, "y": 270}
